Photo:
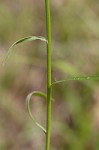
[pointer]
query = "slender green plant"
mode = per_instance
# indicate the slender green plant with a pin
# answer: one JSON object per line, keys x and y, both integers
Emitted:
{"x": 47, "y": 96}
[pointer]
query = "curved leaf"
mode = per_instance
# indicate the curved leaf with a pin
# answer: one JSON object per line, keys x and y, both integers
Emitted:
{"x": 77, "y": 78}
{"x": 25, "y": 39}
{"x": 35, "y": 93}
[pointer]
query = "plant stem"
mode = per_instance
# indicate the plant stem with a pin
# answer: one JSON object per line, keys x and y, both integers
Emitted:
{"x": 48, "y": 34}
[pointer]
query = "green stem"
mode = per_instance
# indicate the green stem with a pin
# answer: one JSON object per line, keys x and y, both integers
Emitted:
{"x": 48, "y": 34}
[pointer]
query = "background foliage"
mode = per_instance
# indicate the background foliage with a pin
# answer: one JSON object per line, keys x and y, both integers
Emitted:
{"x": 75, "y": 34}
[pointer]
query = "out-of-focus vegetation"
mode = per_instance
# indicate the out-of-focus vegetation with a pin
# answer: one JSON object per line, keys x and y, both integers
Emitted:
{"x": 75, "y": 34}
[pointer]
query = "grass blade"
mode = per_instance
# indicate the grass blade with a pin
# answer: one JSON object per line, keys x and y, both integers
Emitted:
{"x": 35, "y": 93}
{"x": 25, "y": 39}
{"x": 76, "y": 78}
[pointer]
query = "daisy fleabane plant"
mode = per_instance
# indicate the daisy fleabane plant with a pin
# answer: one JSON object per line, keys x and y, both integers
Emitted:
{"x": 49, "y": 83}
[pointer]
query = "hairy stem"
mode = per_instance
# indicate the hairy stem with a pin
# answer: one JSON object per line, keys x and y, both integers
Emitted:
{"x": 48, "y": 34}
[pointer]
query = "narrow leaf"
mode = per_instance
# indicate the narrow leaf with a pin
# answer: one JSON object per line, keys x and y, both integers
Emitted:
{"x": 25, "y": 39}
{"x": 35, "y": 93}
{"x": 77, "y": 78}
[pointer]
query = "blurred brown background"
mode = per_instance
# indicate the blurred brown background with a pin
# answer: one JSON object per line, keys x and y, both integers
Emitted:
{"x": 75, "y": 45}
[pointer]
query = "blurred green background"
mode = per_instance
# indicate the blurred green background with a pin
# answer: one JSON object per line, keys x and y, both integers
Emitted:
{"x": 75, "y": 45}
